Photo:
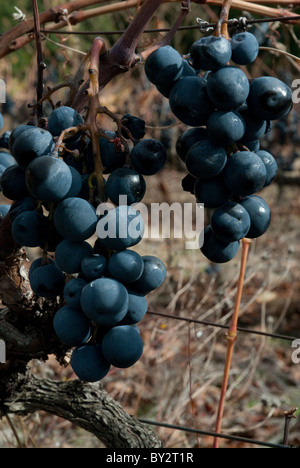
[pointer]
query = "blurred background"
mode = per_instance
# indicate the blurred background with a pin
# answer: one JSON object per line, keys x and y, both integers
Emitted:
{"x": 178, "y": 380}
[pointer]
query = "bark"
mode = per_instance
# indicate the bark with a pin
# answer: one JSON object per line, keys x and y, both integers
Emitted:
{"x": 88, "y": 406}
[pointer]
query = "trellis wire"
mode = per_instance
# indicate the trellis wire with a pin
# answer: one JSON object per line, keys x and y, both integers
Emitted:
{"x": 214, "y": 434}
{"x": 202, "y": 25}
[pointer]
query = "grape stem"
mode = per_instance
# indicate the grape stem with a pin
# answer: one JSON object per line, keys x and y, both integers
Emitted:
{"x": 222, "y": 27}
{"x": 231, "y": 337}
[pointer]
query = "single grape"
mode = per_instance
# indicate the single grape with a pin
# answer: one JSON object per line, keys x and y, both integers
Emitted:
{"x": 213, "y": 193}
{"x": 105, "y": 301}
{"x": 245, "y": 173}
{"x": 271, "y": 166}
{"x": 111, "y": 158}
{"x": 136, "y": 126}
{"x": 32, "y": 143}
{"x": 260, "y": 215}
{"x": 89, "y": 364}
{"x": 47, "y": 281}
{"x": 30, "y": 229}
{"x": 48, "y": 179}
{"x": 189, "y": 101}
{"x": 15, "y": 133}
{"x": 72, "y": 292}
{"x": 75, "y": 219}
{"x": 231, "y": 222}
{"x": 148, "y": 157}
{"x": 210, "y": 53}
{"x": 228, "y": 88}
{"x": 13, "y": 183}
{"x": 76, "y": 185}
{"x": 164, "y": 65}
{"x": 217, "y": 251}
{"x": 122, "y": 346}
{"x": 62, "y": 118}
{"x": 245, "y": 48}
{"x": 93, "y": 266}
{"x": 269, "y": 98}
{"x": 226, "y": 127}
{"x": 128, "y": 183}
{"x": 126, "y": 266}
{"x": 71, "y": 326}
{"x": 205, "y": 160}
{"x": 1, "y": 121}
{"x": 137, "y": 308}
{"x": 255, "y": 128}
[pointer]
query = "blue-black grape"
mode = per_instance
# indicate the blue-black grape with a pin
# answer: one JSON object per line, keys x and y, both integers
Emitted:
{"x": 71, "y": 326}
{"x": 75, "y": 219}
{"x": 76, "y": 185}
{"x": 148, "y": 157}
{"x": 15, "y": 133}
{"x": 153, "y": 275}
{"x": 216, "y": 250}
{"x": 72, "y": 292}
{"x": 255, "y": 128}
{"x": 111, "y": 157}
{"x": 245, "y": 48}
{"x": 271, "y": 166}
{"x": 48, "y": 179}
{"x": 121, "y": 228}
{"x": 269, "y": 98}
{"x": 210, "y": 53}
{"x": 47, "y": 281}
{"x": 88, "y": 363}
{"x": 205, "y": 160}
{"x": 122, "y": 346}
{"x": 228, "y": 88}
{"x": 62, "y": 118}
{"x": 231, "y": 222}
{"x": 68, "y": 255}
{"x": 32, "y": 143}
{"x": 105, "y": 301}
{"x": 245, "y": 173}
{"x": 136, "y": 126}
{"x": 1, "y": 121}
{"x": 93, "y": 266}
{"x": 30, "y": 229}
{"x": 128, "y": 183}
{"x": 226, "y": 127}
{"x": 13, "y": 183}
{"x": 213, "y": 193}
{"x": 137, "y": 308}
{"x": 163, "y": 66}
{"x": 260, "y": 215}
{"x": 126, "y": 266}
{"x": 189, "y": 101}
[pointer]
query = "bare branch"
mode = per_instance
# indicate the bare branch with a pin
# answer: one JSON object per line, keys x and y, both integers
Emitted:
{"x": 88, "y": 406}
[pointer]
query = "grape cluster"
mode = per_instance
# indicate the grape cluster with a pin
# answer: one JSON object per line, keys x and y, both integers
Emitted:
{"x": 229, "y": 115}
{"x": 103, "y": 283}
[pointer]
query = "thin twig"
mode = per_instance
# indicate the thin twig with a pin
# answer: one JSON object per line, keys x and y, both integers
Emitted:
{"x": 231, "y": 338}
{"x": 40, "y": 60}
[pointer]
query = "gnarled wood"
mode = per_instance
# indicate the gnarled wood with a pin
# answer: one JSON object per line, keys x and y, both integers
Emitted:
{"x": 88, "y": 406}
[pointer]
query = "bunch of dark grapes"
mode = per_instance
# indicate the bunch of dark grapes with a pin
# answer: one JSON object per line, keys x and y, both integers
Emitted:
{"x": 229, "y": 115}
{"x": 103, "y": 283}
